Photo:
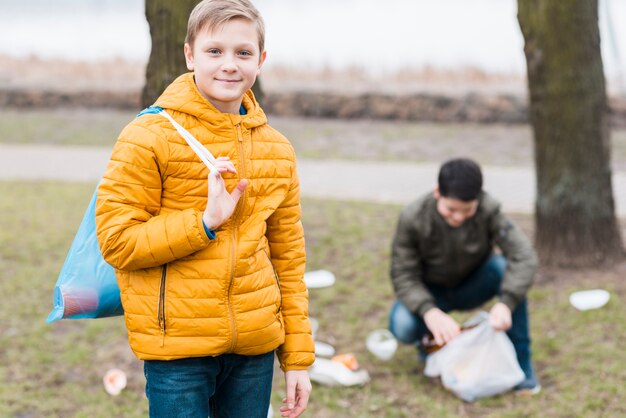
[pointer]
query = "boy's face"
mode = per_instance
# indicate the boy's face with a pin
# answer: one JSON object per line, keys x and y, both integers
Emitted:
{"x": 226, "y": 61}
{"x": 455, "y": 211}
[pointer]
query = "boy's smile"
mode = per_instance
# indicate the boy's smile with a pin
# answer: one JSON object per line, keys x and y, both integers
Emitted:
{"x": 226, "y": 61}
{"x": 454, "y": 211}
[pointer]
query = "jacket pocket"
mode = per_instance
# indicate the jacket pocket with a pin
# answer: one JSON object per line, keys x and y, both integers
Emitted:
{"x": 161, "y": 307}
{"x": 280, "y": 293}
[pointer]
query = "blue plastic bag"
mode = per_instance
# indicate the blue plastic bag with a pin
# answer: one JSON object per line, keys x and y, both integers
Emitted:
{"x": 86, "y": 287}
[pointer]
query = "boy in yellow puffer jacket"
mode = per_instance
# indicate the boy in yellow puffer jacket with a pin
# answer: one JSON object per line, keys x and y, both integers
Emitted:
{"x": 211, "y": 282}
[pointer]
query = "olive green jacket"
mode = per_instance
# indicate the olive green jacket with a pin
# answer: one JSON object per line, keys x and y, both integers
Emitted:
{"x": 427, "y": 251}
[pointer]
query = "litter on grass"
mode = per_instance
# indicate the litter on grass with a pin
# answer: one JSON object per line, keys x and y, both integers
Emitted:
{"x": 324, "y": 349}
{"x": 114, "y": 381}
{"x": 348, "y": 359}
{"x": 318, "y": 279}
{"x": 382, "y": 344}
{"x": 589, "y": 299}
{"x": 332, "y": 373}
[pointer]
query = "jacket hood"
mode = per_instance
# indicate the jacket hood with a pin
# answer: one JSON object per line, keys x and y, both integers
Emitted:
{"x": 182, "y": 95}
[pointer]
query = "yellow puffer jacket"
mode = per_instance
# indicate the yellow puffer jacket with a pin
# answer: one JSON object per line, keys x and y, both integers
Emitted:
{"x": 185, "y": 295}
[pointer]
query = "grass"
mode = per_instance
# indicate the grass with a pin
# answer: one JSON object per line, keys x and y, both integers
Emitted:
{"x": 56, "y": 370}
{"x": 63, "y": 126}
{"x": 499, "y": 144}
{"x": 52, "y": 370}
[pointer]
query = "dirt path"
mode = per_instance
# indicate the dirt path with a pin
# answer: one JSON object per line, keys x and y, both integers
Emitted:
{"x": 389, "y": 182}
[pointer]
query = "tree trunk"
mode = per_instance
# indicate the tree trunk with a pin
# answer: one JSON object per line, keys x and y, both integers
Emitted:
{"x": 574, "y": 212}
{"x": 168, "y": 27}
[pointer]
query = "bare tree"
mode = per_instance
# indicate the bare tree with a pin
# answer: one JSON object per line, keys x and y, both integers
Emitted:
{"x": 575, "y": 214}
{"x": 168, "y": 27}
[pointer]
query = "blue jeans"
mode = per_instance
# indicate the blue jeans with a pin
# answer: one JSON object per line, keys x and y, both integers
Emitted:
{"x": 229, "y": 385}
{"x": 479, "y": 287}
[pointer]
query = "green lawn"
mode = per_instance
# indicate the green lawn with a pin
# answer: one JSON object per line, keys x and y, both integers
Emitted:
{"x": 497, "y": 144}
{"x": 63, "y": 126}
{"x": 56, "y": 370}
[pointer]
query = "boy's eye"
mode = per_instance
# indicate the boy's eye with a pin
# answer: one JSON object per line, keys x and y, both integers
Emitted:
{"x": 245, "y": 53}
{"x": 213, "y": 51}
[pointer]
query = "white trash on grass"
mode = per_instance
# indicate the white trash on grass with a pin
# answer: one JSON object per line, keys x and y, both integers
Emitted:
{"x": 318, "y": 279}
{"x": 589, "y": 299}
{"x": 324, "y": 349}
{"x": 114, "y": 381}
{"x": 382, "y": 344}
{"x": 332, "y": 373}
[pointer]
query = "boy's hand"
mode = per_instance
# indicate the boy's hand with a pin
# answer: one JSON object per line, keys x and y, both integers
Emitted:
{"x": 220, "y": 203}
{"x": 442, "y": 325}
{"x": 298, "y": 392}
{"x": 500, "y": 317}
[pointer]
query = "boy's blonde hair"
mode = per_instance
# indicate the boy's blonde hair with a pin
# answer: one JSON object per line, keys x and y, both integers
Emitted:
{"x": 209, "y": 14}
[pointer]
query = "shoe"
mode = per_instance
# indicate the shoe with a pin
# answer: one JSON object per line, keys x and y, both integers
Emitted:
{"x": 528, "y": 387}
{"x": 528, "y": 391}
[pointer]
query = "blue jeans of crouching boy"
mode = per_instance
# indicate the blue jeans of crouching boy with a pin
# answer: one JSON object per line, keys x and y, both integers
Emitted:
{"x": 229, "y": 385}
{"x": 478, "y": 288}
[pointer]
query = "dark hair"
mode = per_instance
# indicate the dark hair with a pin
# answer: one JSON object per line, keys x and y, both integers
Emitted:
{"x": 460, "y": 178}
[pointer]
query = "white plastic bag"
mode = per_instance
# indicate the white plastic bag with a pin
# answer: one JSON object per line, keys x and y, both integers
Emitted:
{"x": 479, "y": 362}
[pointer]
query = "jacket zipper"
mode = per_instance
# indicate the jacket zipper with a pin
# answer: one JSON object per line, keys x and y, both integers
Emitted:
{"x": 161, "y": 309}
{"x": 280, "y": 292}
{"x": 233, "y": 329}
{"x": 238, "y": 210}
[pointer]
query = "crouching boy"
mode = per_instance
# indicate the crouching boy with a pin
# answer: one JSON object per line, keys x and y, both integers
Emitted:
{"x": 443, "y": 259}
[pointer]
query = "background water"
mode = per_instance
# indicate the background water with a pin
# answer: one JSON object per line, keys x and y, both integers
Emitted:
{"x": 368, "y": 34}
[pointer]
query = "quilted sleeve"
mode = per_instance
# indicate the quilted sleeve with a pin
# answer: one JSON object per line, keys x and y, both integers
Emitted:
{"x": 131, "y": 231}
{"x": 406, "y": 266}
{"x": 286, "y": 238}
{"x": 521, "y": 259}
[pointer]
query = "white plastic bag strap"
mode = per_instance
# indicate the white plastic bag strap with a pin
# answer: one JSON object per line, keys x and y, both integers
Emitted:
{"x": 205, "y": 155}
